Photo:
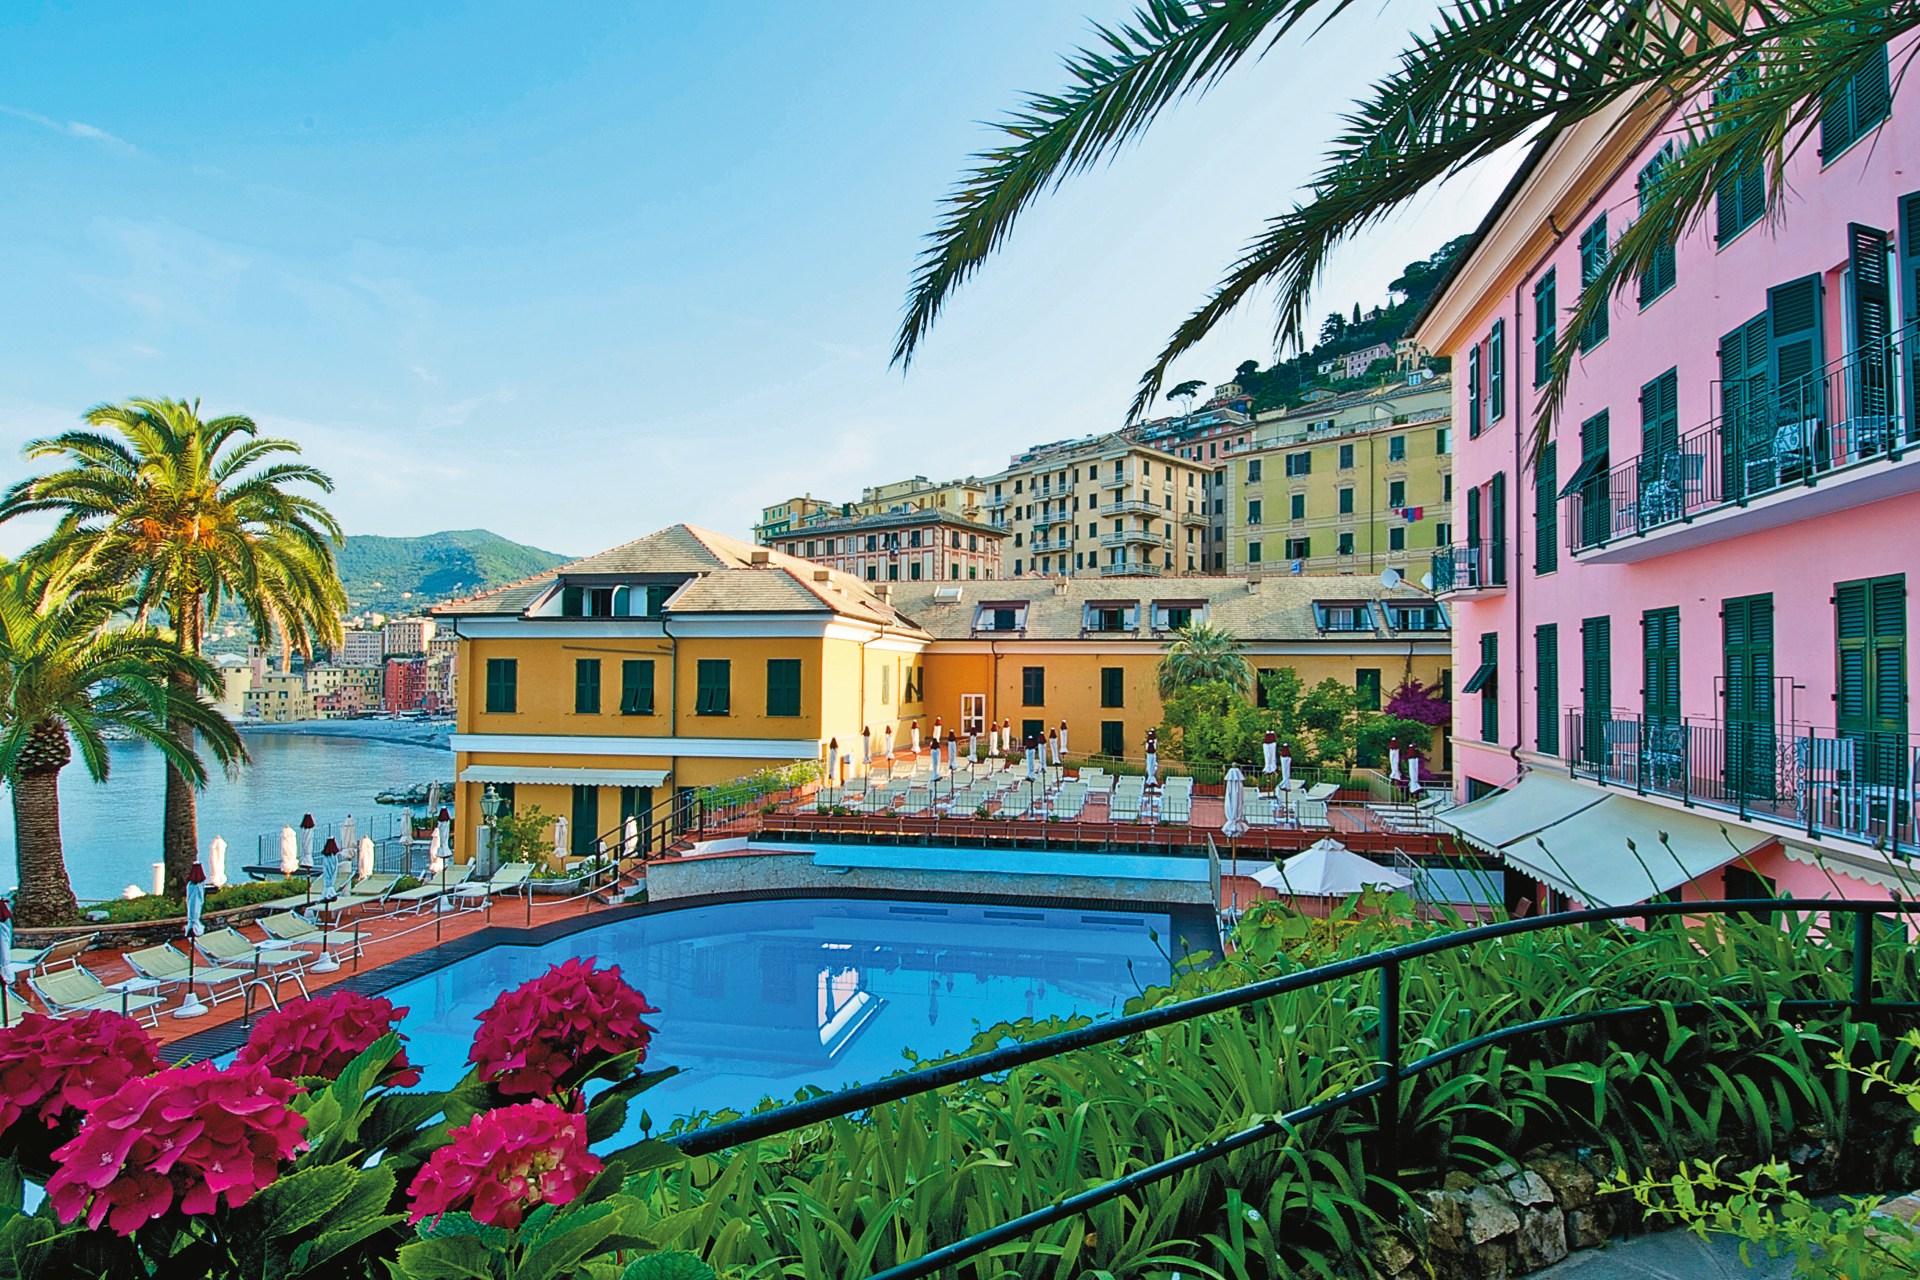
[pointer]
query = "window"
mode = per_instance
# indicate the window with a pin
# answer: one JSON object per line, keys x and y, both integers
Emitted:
{"x": 1403, "y": 616}
{"x": 1748, "y": 683}
{"x": 1546, "y": 515}
{"x": 1113, "y": 738}
{"x": 1111, "y": 616}
{"x": 873, "y": 572}
{"x": 1442, "y": 441}
{"x": 1171, "y": 617}
{"x": 1396, "y": 493}
{"x": 1485, "y": 683}
{"x": 886, "y": 686}
{"x": 1396, "y": 448}
{"x": 1297, "y": 506}
{"x": 1856, "y": 108}
{"x": 1870, "y": 628}
{"x": 586, "y": 686}
{"x": 1299, "y": 548}
{"x": 1740, "y": 197}
{"x": 783, "y": 686}
{"x": 1001, "y": 617}
{"x": 1442, "y": 533}
{"x": 1546, "y": 688}
{"x": 1346, "y": 457}
{"x": 1659, "y": 466}
{"x": 1253, "y": 471}
{"x": 1344, "y": 546}
{"x": 1033, "y": 686}
{"x": 1342, "y": 616}
{"x": 893, "y": 572}
{"x": 503, "y": 679}
{"x": 1660, "y": 670}
{"x": 1253, "y": 511}
{"x": 1253, "y": 551}
{"x": 1397, "y": 538}
{"x": 1589, "y": 479}
{"x": 1546, "y": 325}
{"x": 1300, "y": 464}
{"x": 1659, "y": 275}
{"x": 1593, "y": 260}
{"x": 1473, "y": 396}
{"x": 1596, "y": 687}
{"x": 1497, "y": 371}
{"x": 588, "y": 602}
{"x": 713, "y": 691}
{"x": 1113, "y": 687}
{"x": 1346, "y": 501}
{"x": 636, "y": 687}
{"x": 1366, "y": 688}
{"x": 1497, "y": 529}
{"x": 913, "y": 571}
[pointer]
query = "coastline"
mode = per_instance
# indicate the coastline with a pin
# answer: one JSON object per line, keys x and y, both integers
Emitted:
{"x": 418, "y": 733}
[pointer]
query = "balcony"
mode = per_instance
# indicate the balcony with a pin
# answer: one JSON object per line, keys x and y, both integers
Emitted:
{"x": 1853, "y": 786}
{"x": 1481, "y": 567}
{"x": 1194, "y": 517}
{"x": 1841, "y": 436}
{"x": 1134, "y": 538}
{"x": 1115, "y": 481}
{"x": 1131, "y": 569}
{"x": 1129, "y": 507}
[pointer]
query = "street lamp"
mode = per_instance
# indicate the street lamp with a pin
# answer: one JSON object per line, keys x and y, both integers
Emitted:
{"x": 489, "y": 810}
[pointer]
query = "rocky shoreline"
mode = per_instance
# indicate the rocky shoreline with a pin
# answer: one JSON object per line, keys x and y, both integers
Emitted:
{"x": 419, "y": 733}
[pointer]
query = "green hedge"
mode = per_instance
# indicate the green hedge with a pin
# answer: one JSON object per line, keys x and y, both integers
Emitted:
{"x": 230, "y": 898}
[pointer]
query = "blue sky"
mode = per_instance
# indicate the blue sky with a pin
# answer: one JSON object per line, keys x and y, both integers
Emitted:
{"x": 571, "y": 272}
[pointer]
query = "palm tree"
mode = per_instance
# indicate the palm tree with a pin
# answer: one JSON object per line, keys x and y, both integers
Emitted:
{"x": 1201, "y": 653}
{"x": 66, "y": 679}
{"x": 187, "y": 516}
{"x": 1749, "y": 79}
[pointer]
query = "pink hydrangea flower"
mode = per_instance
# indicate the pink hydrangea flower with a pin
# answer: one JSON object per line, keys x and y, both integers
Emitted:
{"x": 319, "y": 1037}
{"x": 504, "y": 1162}
{"x": 189, "y": 1138}
{"x": 58, "y": 1068}
{"x": 544, "y": 1035}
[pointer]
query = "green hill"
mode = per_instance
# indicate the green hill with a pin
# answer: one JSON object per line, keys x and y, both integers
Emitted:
{"x": 405, "y": 575}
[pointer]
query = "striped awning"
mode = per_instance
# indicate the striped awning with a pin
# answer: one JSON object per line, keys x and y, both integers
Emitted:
{"x": 537, "y": 775}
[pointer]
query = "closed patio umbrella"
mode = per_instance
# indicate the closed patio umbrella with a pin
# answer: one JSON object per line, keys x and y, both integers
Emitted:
{"x": 560, "y": 845}
{"x": 1063, "y": 738}
{"x": 1236, "y": 804}
{"x": 289, "y": 852}
{"x": 916, "y": 737}
{"x": 1053, "y": 746}
{"x": 329, "y": 869}
{"x": 993, "y": 739}
{"x": 1270, "y": 753}
{"x": 1413, "y": 775}
{"x": 866, "y": 745}
{"x": 444, "y": 830}
{"x": 1286, "y": 767}
{"x": 436, "y": 859}
{"x": 306, "y": 839}
{"x": 366, "y": 856}
{"x": 1153, "y": 761}
{"x": 630, "y": 837}
{"x": 349, "y": 833}
{"x": 190, "y": 1006}
{"x": 889, "y": 737}
{"x": 953, "y": 751}
{"x": 1393, "y": 759}
{"x": 217, "y": 861}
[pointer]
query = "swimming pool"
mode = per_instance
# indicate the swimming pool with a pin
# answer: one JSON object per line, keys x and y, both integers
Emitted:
{"x": 761, "y": 999}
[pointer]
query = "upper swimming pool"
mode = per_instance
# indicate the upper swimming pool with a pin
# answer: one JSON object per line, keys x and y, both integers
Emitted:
{"x": 761, "y": 999}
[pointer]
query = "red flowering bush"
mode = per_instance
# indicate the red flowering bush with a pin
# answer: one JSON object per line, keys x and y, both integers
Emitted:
{"x": 504, "y": 1162}
{"x": 186, "y": 1138}
{"x": 546, "y": 1034}
{"x": 58, "y": 1068}
{"x": 320, "y": 1037}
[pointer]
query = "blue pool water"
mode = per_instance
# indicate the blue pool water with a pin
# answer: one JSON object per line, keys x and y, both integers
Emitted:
{"x": 762, "y": 999}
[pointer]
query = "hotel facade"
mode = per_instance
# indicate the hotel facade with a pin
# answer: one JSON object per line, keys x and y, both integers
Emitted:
{"x": 1685, "y": 612}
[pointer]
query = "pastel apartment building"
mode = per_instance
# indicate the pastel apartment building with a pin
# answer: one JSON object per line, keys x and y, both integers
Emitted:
{"x": 1685, "y": 615}
{"x": 1103, "y": 506}
{"x": 911, "y": 545}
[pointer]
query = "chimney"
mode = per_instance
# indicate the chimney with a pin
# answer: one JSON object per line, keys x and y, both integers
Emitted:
{"x": 1060, "y": 586}
{"x": 1253, "y": 584}
{"x": 822, "y": 575}
{"x": 760, "y": 556}
{"x": 883, "y": 591}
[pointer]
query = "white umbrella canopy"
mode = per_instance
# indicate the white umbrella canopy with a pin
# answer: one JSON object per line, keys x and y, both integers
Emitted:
{"x": 366, "y": 856}
{"x": 217, "y": 861}
{"x": 289, "y": 852}
{"x": 560, "y": 845}
{"x": 1328, "y": 869}
{"x": 1236, "y": 803}
{"x": 630, "y": 837}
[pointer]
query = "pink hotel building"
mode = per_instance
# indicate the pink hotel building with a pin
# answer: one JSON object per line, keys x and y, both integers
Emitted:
{"x": 1681, "y": 626}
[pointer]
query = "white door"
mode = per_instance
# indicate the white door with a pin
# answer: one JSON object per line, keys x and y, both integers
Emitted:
{"x": 973, "y": 713}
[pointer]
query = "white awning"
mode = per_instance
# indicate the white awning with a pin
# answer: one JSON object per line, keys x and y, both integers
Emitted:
{"x": 1531, "y": 805}
{"x": 537, "y": 775}
{"x": 1621, "y": 851}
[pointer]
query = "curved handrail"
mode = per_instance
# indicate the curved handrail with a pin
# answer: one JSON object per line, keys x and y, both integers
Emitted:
{"x": 1391, "y": 1071}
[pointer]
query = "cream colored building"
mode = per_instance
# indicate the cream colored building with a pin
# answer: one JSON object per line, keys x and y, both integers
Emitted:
{"x": 236, "y": 678}
{"x": 962, "y": 498}
{"x": 279, "y": 698}
{"x": 363, "y": 648}
{"x": 1102, "y": 506}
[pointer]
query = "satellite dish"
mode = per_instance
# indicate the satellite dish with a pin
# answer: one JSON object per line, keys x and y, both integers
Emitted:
{"x": 1390, "y": 578}
{"x": 1426, "y": 582}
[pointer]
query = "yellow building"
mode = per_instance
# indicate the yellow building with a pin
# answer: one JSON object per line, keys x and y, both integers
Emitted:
{"x": 783, "y": 517}
{"x": 278, "y": 698}
{"x": 682, "y": 659}
{"x": 1103, "y": 506}
{"x": 1353, "y": 484}
{"x": 962, "y": 498}
{"x": 1037, "y": 652}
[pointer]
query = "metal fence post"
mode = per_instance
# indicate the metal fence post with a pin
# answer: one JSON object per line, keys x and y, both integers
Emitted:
{"x": 1862, "y": 962}
{"x": 1387, "y": 1108}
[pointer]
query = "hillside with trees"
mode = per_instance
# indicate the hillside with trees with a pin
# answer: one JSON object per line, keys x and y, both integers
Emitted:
{"x": 404, "y": 575}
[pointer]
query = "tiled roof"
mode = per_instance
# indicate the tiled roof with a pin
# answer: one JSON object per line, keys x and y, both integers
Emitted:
{"x": 1278, "y": 608}
{"x": 724, "y": 579}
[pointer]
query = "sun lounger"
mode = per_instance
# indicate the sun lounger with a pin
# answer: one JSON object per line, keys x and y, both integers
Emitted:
{"x": 1124, "y": 807}
{"x": 416, "y": 899}
{"x": 1176, "y": 809}
{"x": 508, "y": 878}
{"x": 290, "y": 927}
{"x": 65, "y": 953}
{"x": 1070, "y": 802}
{"x": 164, "y": 964}
{"x": 1311, "y": 812}
{"x": 1260, "y": 811}
{"x": 77, "y": 990}
{"x": 235, "y": 950}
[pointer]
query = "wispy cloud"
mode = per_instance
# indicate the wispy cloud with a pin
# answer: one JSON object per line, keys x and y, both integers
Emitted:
{"x": 72, "y": 129}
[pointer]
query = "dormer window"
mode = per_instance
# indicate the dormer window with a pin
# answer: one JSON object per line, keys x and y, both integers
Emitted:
{"x": 1171, "y": 615}
{"x": 1342, "y": 615}
{"x": 636, "y": 600}
{"x": 1416, "y": 615}
{"x": 588, "y": 602}
{"x": 1112, "y": 616}
{"x": 1005, "y": 616}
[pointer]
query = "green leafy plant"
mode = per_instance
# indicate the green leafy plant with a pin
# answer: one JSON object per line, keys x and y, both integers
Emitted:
{"x": 525, "y": 835}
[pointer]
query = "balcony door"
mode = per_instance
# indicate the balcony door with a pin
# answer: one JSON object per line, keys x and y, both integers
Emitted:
{"x": 1747, "y": 656}
{"x": 973, "y": 714}
{"x": 1663, "y": 743}
{"x": 1747, "y": 461}
{"x": 1870, "y": 624}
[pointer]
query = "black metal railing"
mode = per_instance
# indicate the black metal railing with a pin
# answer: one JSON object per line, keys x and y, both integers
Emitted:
{"x": 1855, "y": 410}
{"x": 1474, "y": 567}
{"x": 1391, "y": 1069}
{"x": 1854, "y": 785}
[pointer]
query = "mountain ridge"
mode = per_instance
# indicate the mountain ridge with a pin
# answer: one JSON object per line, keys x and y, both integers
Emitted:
{"x": 397, "y": 575}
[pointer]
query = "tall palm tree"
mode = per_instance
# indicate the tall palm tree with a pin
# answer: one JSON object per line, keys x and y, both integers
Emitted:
{"x": 1749, "y": 77}
{"x": 189, "y": 516}
{"x": 1201, "y": 653}
{"x": 66, "y": 679}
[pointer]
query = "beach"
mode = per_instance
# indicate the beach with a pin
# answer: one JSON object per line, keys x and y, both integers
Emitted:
{"x": 419, "y": 733}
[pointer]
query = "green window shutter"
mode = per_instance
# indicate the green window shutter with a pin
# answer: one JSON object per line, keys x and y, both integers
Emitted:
{"x": 503, "y": 678}
{"x": 1546, "y": 688}
{"x": 584, "y": 828}
{"x": 1033, "y": 686}
{"x": 1596, "y": 685}
{"x": 636, "y": 687}
{"x": 1473, "y": 378}
{"x": 1546, "y": 323}
{"x": 1113, "y": 738}
{"x": 1593, "y": 260}
{"x": 1546, "y": 520}
{"x": 1497, "y": 528}
{"x": 586, "y": 686}
{"x": 1489, "y": 686}
{"x": 1740, "y": 197}
{"x": 571, "y": 602}
{"x": 783, "y": 686}
{"x": 1796, "y": 351}
{"x": 1660, "y": 416}
{"x": 1113, "y": 687}
{"x": 713, "y": 687}
{"x": 1497, "y": 371}
{"x": 1871, "y": 307}
{"x": 1747, "y": 656}
{"x": 1850, "y": 629}
{"x": 1473, "y": 517}
{"x": 1661, "y": 271}
{"x": 1660, "y": 666}
{"x": 1746, "y": 425}
{"x": 1870, "y": 622}
{"x": 1856, "y": 107}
